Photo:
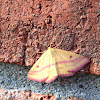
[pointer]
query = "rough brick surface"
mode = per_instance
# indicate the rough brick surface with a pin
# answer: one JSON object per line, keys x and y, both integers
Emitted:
{"x": 25, "y": 23}
{"x": 23, "y": 95}
{"x": 75, "y": 99}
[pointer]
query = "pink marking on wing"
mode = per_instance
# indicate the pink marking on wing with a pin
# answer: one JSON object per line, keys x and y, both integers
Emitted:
{"x": 77, "y": 59}
{"x": 63, "y": 62}
{"x": 70, "y": 56}
{"x": 61, "y": 75}
{"x": 51, "y": 79}
{"x": 78, "y": 68}
{"x": 37, "y": 66}
{"x": 56, "y": 63}
{"x": 38, "y": 80}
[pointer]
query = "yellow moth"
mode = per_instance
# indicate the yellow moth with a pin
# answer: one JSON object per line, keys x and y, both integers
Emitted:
{"x": 54, "y": 63}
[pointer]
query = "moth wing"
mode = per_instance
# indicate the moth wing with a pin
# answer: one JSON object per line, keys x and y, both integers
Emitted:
{"x": 52, "y": 70}
{"x": 39, "y": 71}
{"x": 68, "y": 63}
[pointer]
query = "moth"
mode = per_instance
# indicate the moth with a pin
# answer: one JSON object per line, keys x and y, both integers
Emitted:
{"x": 56, "y": 62}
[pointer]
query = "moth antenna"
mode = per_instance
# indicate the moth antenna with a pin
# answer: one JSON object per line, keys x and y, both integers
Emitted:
{"x": 77, "y": 50}
{"x": 55, "y": 38}
{"x": 59, "y": 43}
{"x": 42, "y": 44}
{"x": 39, "y": 52}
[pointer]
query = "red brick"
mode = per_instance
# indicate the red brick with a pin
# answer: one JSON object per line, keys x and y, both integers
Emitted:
{"x": 24, "y": 24}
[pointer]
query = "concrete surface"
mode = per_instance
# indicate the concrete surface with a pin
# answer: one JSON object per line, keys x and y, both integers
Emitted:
{"x": 85, "y": 86}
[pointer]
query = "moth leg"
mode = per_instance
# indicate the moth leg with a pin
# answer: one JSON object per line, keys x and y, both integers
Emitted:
{"x": 76, "y": 51}
{"x": 39, "y": 52}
